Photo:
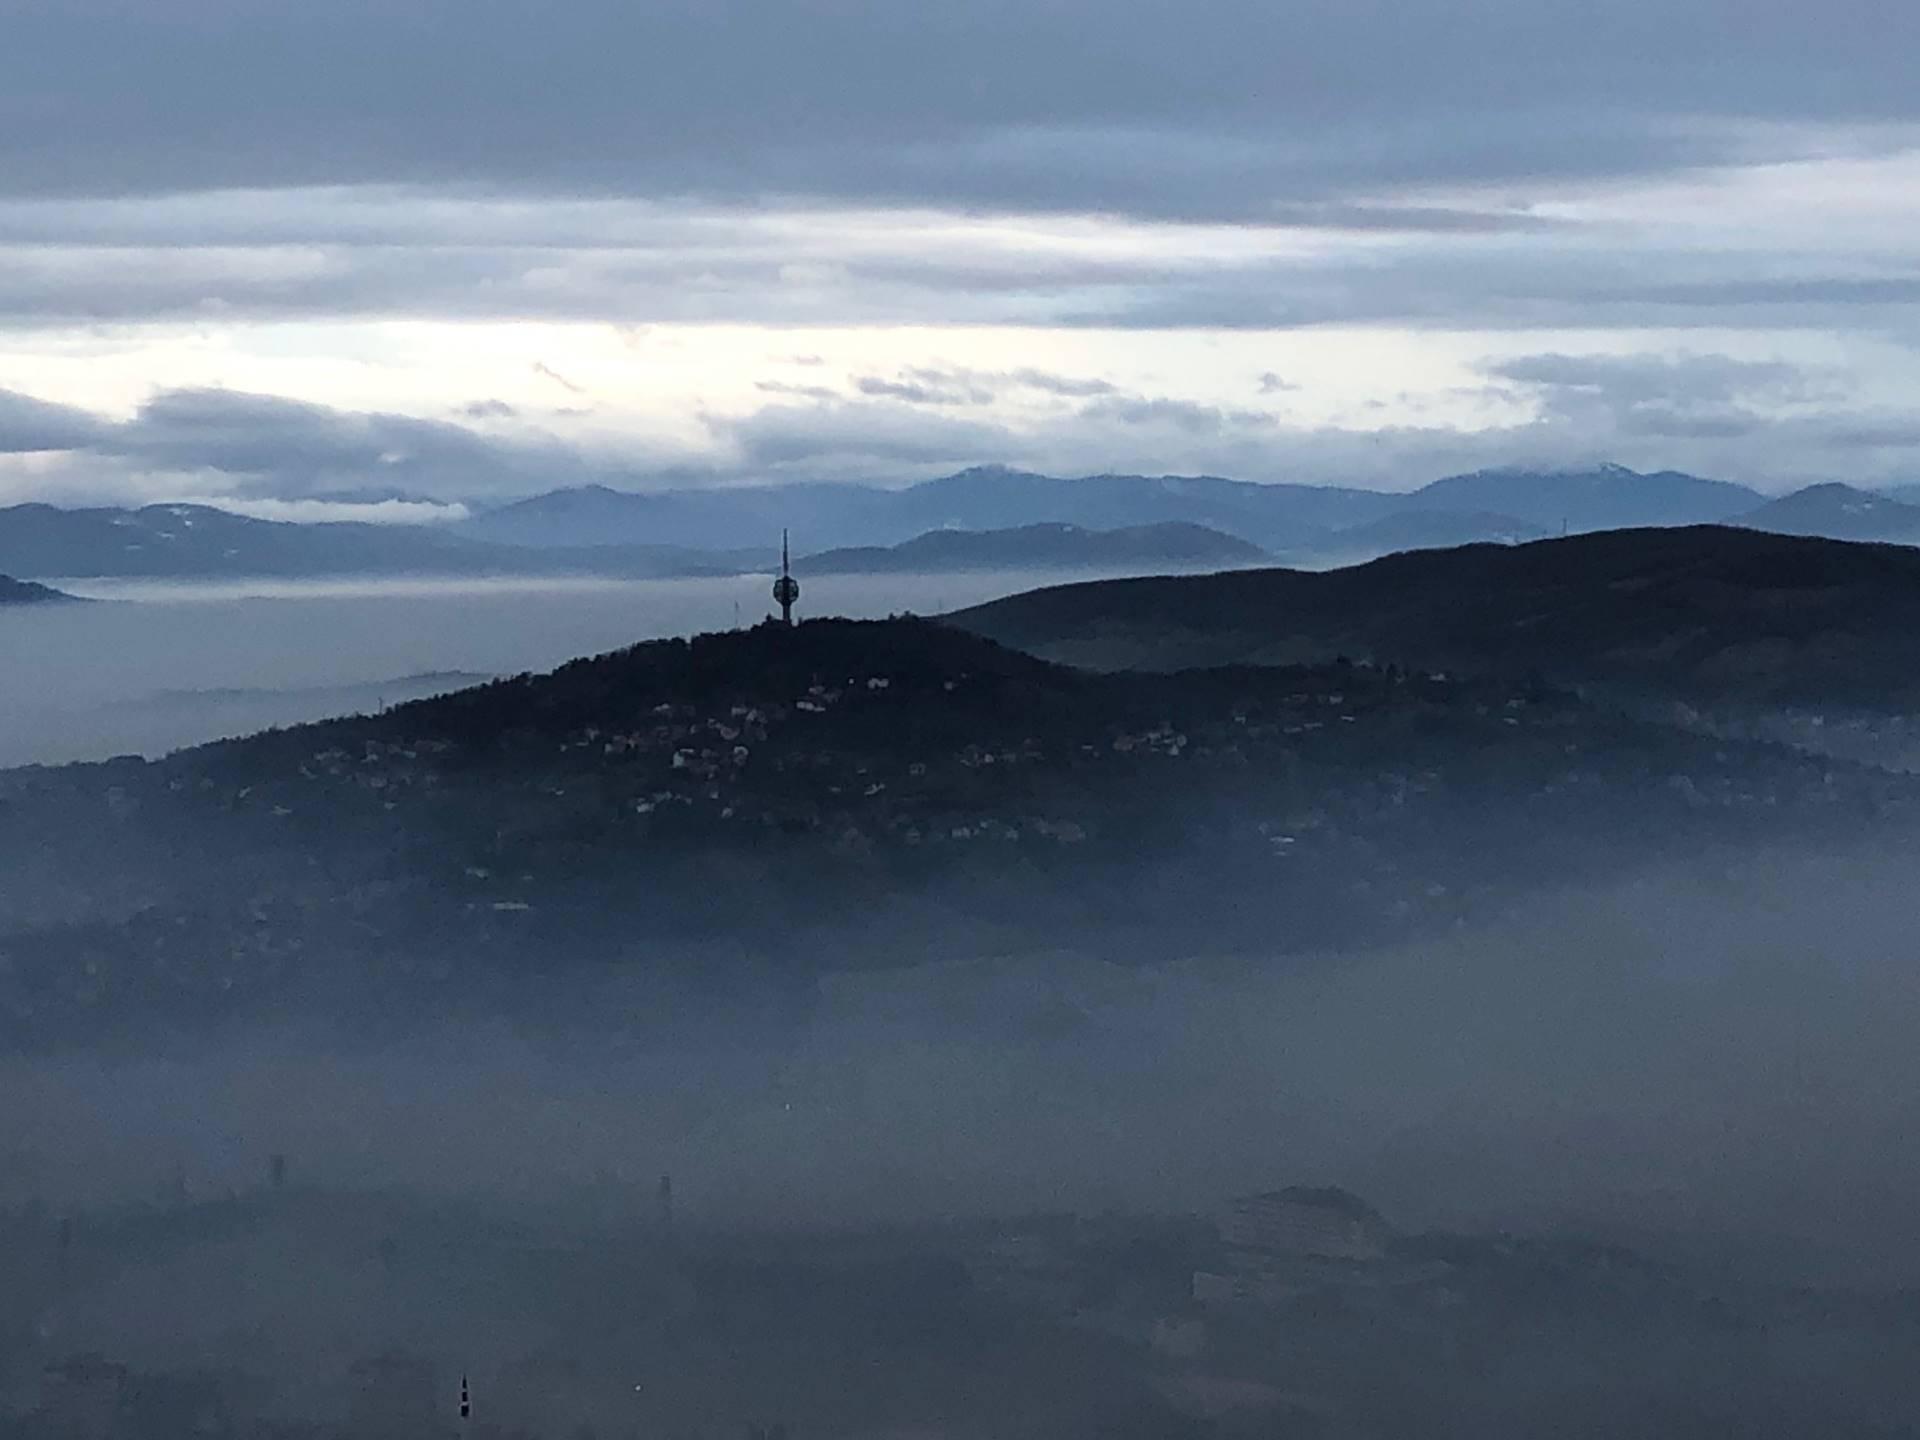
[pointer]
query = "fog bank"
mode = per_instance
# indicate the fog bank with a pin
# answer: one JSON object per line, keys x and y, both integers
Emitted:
{"x": 1727, "y": 1064}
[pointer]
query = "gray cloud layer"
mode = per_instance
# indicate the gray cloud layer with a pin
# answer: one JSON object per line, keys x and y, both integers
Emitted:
{"x": 1208, "y": 108}
{"x": 31, "y": 427}
{"x": 272, "y": 255}
{"x": 265, "y": 446}
{"x": 694, "y": 160}
{"x": 1390, "y": 163}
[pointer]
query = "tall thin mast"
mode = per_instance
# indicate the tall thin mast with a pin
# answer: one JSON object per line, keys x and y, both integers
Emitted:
{"x": 786, "y": 589}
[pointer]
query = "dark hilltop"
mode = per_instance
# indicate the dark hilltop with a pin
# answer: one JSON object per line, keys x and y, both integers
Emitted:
{"x": 26, "y": 592}
{"x": 1702, "y": 614}
{"x": 761, "y": 808}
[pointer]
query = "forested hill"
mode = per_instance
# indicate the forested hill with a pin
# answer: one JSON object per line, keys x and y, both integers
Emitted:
{"x": 25, "y": 592}
{"x": 762, "y": 807}
{"x": 1705, "y": 613}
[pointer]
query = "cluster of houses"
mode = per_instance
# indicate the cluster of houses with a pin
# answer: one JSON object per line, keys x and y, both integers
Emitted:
{"x": 1347, "y": 771}
{"x": 783, "y": 762}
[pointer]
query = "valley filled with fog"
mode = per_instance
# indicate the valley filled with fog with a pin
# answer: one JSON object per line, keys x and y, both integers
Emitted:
{"x": 1658, "y": 1128}
{"x": 1423, "y": 998}
{"x": 1701, "y": 1066}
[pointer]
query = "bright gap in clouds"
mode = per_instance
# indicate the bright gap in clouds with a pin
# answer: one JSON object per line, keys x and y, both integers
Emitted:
{"x": 589, "y": 379}
{"x": 572, "y": 402}
{"x": 1758, "y": 322}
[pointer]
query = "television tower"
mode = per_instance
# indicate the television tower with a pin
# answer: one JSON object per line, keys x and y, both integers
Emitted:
{"x": 786, "y": 589}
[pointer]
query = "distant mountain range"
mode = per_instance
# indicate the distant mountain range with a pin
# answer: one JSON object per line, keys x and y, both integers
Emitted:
{"x": 1608, "y": 497}
{"x": 1839, "y": 512}
{"x": 986, "y": 498}
{"x": 1703, "y": 614}
{"x": 1288, "y": 519}
{"x": 193, "y": 541}
{"x": 1302, "y": 524}
{"x": 1174, "y": 545}
{"x": 25, "y": 592}
{"x": 596, "y": 530}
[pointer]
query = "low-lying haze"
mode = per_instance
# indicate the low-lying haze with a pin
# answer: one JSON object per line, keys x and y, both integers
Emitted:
{"x": 167, "y": 665}
{"x": 1711, "y": 1067}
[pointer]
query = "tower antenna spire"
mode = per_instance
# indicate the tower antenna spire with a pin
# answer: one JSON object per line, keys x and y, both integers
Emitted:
{"x": 786, "y": 589}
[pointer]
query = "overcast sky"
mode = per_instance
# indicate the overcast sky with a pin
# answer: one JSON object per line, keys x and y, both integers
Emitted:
{"x": 308, "y": 256}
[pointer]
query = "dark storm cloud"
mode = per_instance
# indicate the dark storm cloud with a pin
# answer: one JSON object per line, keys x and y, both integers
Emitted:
{"x": 301, "y": 447}
{"x": 1215, "y": 107}
{"x": 29, "y": 426}
{"x": 261, "y": 446}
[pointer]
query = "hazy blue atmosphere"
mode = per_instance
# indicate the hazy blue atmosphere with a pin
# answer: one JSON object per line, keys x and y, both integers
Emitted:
{"x": 1695, "y": 1076}
{"x": 1013, "y": 720}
